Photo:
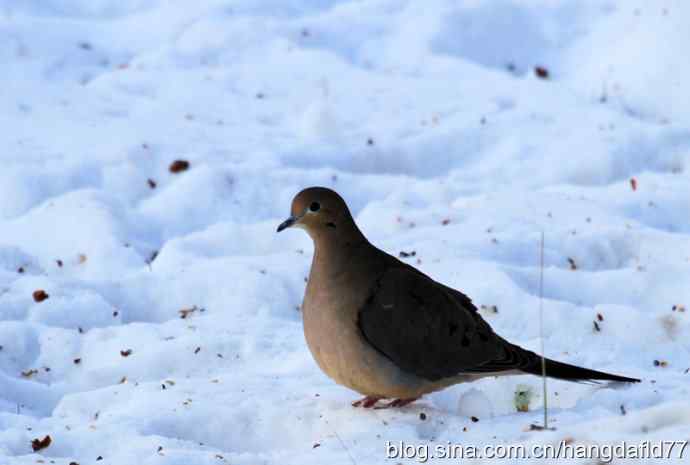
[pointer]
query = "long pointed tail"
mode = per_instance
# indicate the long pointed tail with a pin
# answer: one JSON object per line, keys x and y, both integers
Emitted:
{"x": 568, "y": 372}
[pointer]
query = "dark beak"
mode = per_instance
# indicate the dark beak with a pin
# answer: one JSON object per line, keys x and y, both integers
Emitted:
{"x": 287, "y": 223}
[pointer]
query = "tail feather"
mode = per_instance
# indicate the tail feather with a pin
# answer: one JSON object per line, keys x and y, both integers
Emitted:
{"x": 568, "y": 372}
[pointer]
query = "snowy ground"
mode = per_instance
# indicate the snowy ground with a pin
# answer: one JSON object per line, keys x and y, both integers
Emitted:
{"x": 429, "y": 118}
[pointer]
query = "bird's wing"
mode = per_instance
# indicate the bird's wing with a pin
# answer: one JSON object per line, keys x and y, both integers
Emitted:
{"x": 431, "y": 330}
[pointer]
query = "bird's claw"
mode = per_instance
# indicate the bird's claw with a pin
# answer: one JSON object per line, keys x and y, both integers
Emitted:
{"x": 397, "y": 403}
{"x": 366, "y": 402}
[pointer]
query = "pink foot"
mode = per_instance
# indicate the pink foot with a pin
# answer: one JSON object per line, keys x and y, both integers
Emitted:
{"x": 366, "y": 402}
{"x": 397, "y": 403}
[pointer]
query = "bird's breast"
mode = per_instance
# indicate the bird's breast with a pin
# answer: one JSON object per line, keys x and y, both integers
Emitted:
{"x": 339, "y": 348}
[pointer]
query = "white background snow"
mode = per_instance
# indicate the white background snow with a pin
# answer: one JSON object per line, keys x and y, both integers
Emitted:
{"x": 429, "y": 118}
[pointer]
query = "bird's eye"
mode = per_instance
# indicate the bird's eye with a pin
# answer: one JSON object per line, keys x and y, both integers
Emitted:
{"x": 314, "y": 207}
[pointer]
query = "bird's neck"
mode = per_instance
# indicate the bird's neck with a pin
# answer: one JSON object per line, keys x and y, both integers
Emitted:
{"x": 334, "y": 253}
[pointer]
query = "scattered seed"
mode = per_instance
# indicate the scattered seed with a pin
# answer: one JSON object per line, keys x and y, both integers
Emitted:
{"x": 179, "y": 166}
{"x": 126, "y": 353}
{"x": 623, "y": 411}
{"x": 152, "y": 257}
{"x": 316, "y": 445}
{"x": 197, "y": 350}
{"x": 59, "y": 263}
{"x": 596, "y": 326}
{"x": 445, "y": 222}
{"x": 40, "y": 295}
{"x": 633, "y": 184}
{"x": 370, "y": 141}
{"x": 660, "y": 363}
{"x": 541, "y": 72}
{"x": 29, "y": 373}
{"x": 422, "y": 416}
{"x": 185, "y": 312}
{"x": 474, "y": 419}
{"x": 600, "y": 317}
{"x": 404, "y": 254}
{"x": 489, "y": 308}
{"x": 573, "y": 266}
{"x": 77, "y": 361}
{"x": 152, "y": 184}
{"x": 20, "y": 270}
{"x": 678, "y": 308}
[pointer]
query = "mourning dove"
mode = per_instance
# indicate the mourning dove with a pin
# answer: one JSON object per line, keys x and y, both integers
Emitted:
{"x": 388, "y": 331}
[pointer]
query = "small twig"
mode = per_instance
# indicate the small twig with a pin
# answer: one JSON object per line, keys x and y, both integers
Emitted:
{"x": 541, "y": 327}
{"x": 342, "y": 444}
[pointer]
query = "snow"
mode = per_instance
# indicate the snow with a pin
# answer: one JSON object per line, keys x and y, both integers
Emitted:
{"x": 429, "y": 118}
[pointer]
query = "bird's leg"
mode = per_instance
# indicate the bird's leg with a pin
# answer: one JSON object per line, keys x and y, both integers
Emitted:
{"x": 397, "y": 403}
{"x": 366, "y": 402}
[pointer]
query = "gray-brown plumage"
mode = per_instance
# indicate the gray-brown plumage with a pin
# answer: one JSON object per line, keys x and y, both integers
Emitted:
{"x": 383, "y": 328}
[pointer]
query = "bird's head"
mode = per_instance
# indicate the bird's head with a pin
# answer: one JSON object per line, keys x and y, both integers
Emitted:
{"x": 321, "y": 212}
